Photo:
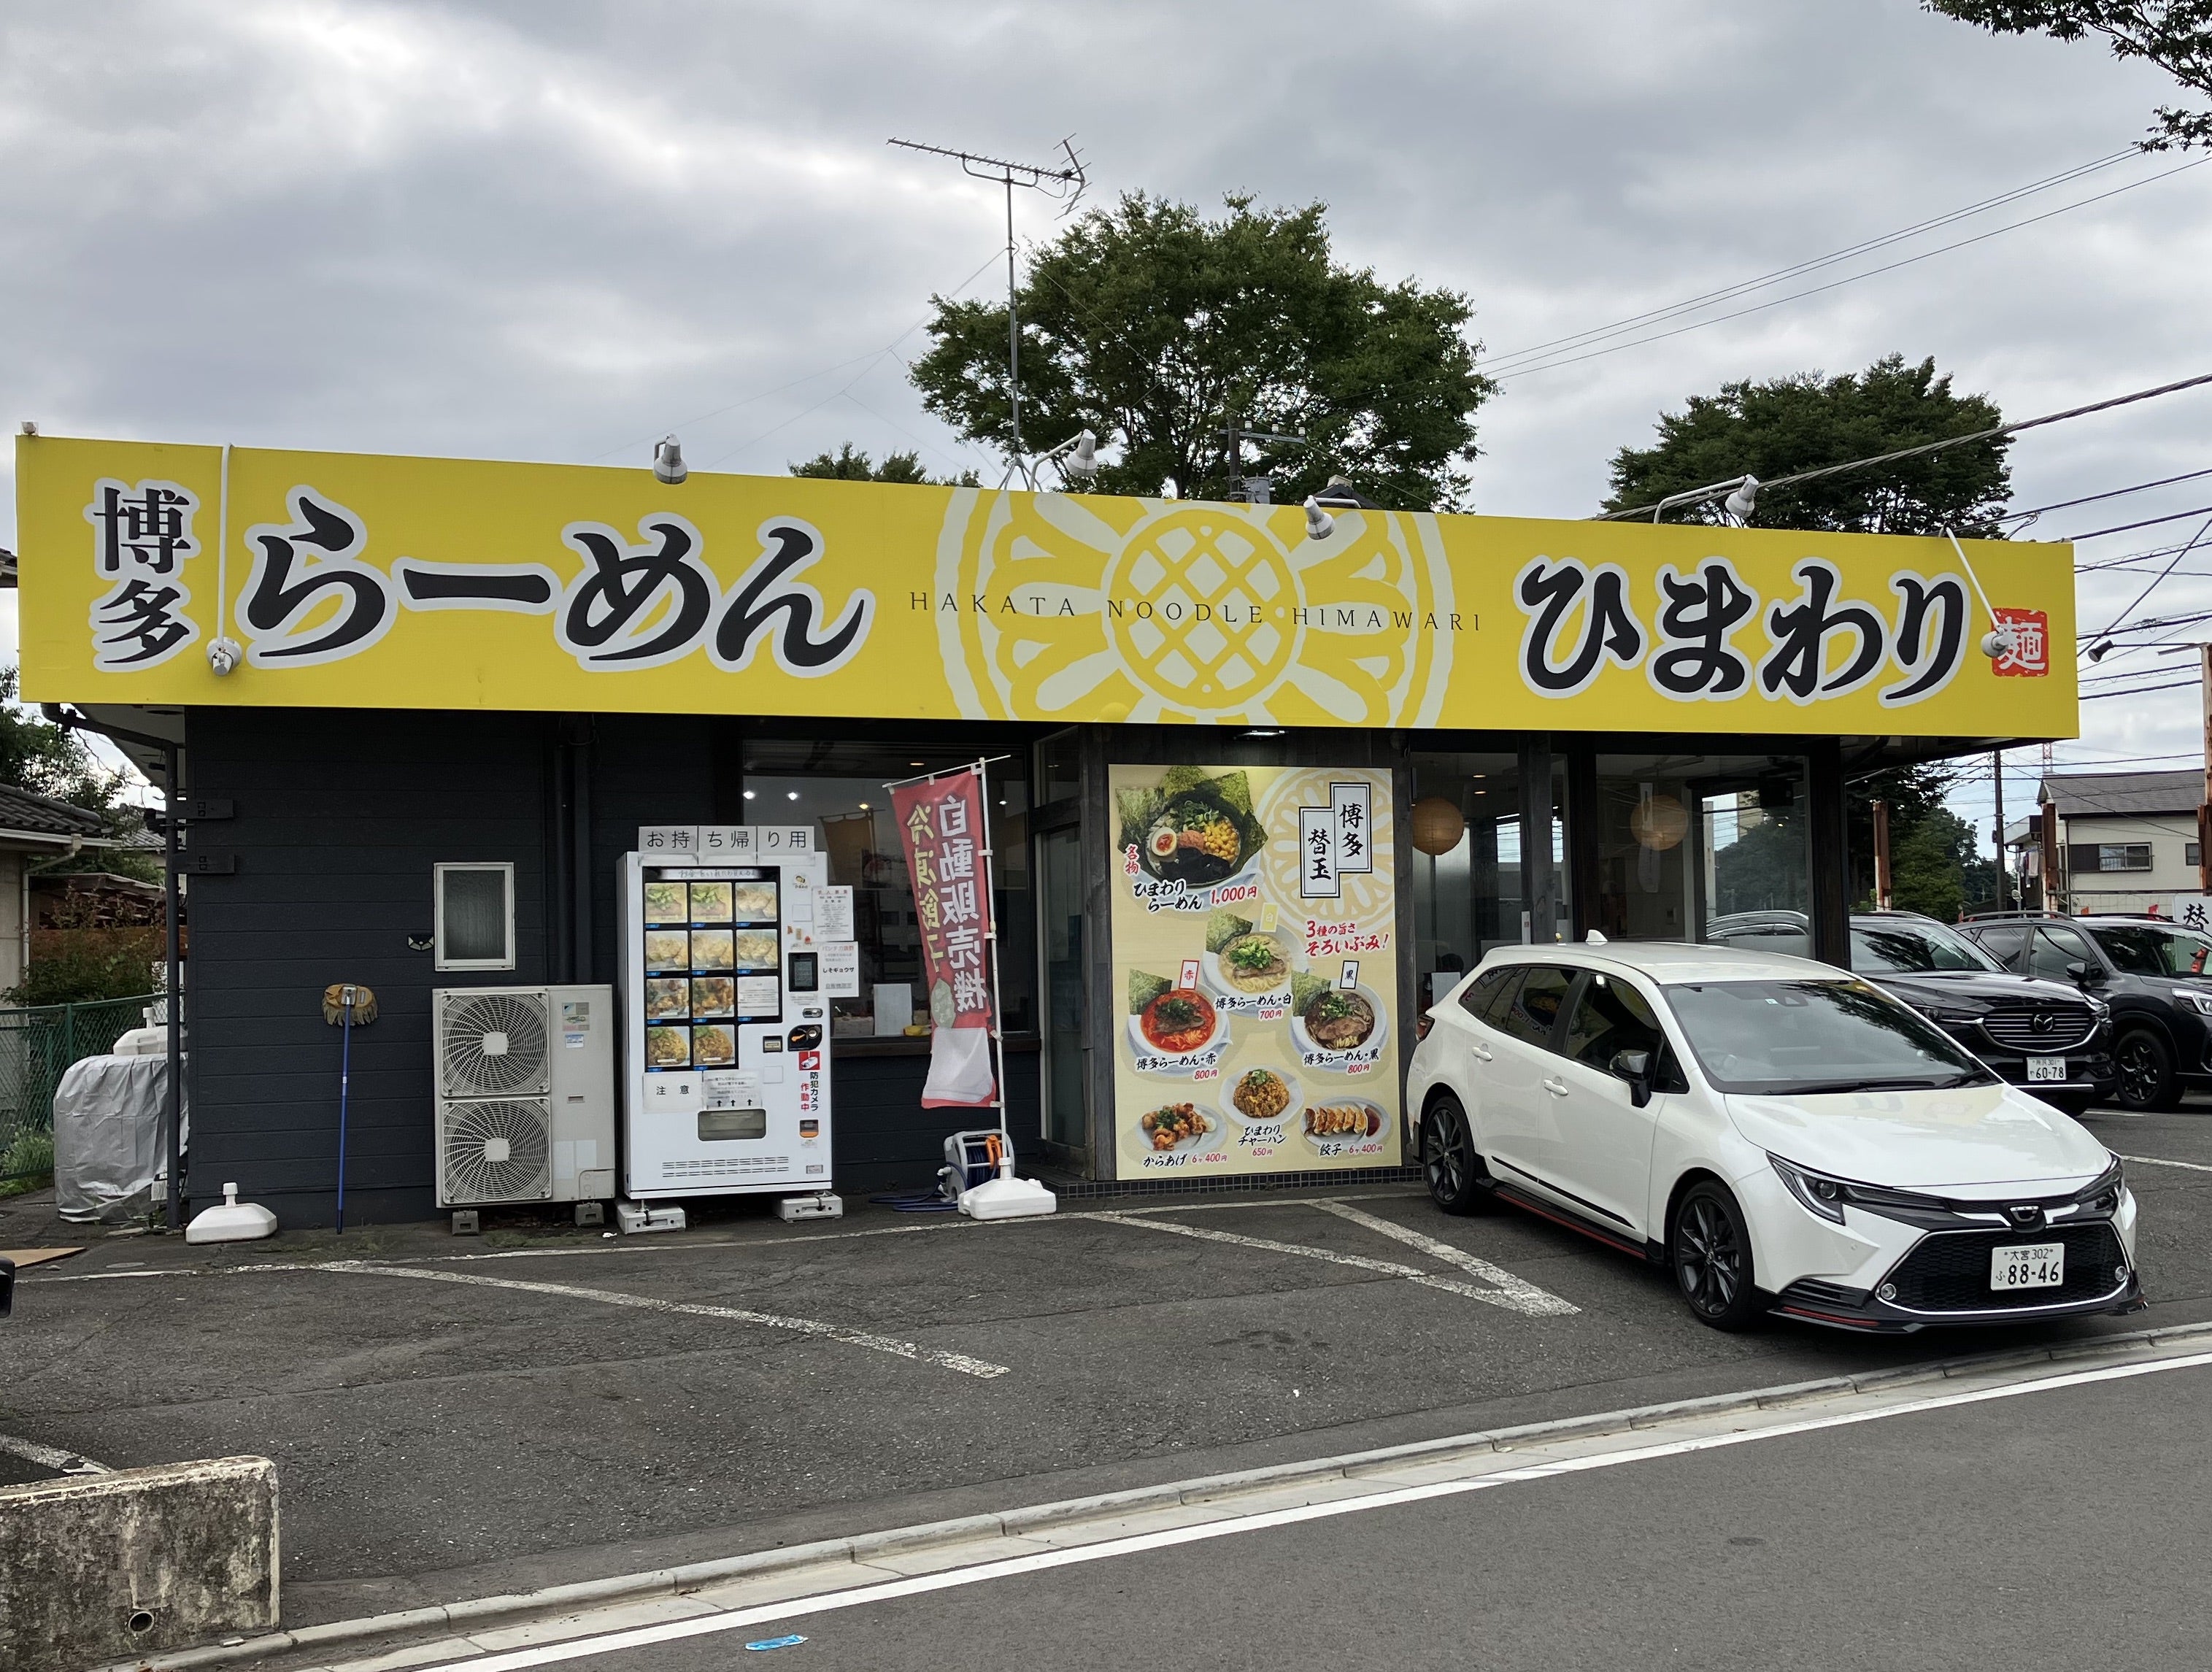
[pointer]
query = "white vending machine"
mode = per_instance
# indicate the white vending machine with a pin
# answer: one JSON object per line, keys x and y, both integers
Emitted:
{"x": 725, "y": 1075}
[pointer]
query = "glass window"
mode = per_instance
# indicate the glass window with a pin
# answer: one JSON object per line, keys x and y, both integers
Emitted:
{"x": 1807, "y": 1036}
{"x": 1912, "y": 949}
{"x": 2004, "y": 942}
{"x": 1484, "y": 997}
{"x": 1468, "y": 897}
{"x": 1609, "y": 1018}
{"x": 1059, "y": 768}
{"x": 2054, "y": 949}
{"x": 838, "y": 787}
{"x": 2140, "y": 950}
{"x": 2123, "y": 856}
{"x": 1535, "y": 1004}
{"x": 1683, "y": 840}
{"x": 475, "y": 912}
{"x": 1784, "y": 938}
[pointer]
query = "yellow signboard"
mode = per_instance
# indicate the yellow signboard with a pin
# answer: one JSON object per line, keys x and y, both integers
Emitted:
{"x": 180, "y": 574}
{"x": 1255, "y": 927}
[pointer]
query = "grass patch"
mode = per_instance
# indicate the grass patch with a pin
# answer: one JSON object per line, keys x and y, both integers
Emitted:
{"x": 28, "y": 1163}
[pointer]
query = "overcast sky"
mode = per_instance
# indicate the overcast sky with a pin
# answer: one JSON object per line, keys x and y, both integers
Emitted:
{"x": 556, "y": 230}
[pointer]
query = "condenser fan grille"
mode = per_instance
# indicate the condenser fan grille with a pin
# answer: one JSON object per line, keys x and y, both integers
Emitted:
{"x": 497, "y": 1150}
{"x": 493, "y": 1042}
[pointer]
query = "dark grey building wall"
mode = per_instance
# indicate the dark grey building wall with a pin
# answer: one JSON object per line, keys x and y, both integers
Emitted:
{"x": 339, "y": 817}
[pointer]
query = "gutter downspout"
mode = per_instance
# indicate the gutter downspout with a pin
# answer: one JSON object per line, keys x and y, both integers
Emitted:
{"x": 173, "y": 983}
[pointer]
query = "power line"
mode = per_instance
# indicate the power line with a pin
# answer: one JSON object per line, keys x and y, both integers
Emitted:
{"x": 1949, "y": 442}
{"x": 1728, "y": 292}
{"x": 2112, "y": 493}
{"x": 1550, "y": 365}
{"x": 2147, "y": 522}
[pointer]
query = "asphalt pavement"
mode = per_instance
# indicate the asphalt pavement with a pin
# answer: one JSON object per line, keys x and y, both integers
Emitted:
{"x": 2057, "y": 1529}
{"x": 456, "y": 1418}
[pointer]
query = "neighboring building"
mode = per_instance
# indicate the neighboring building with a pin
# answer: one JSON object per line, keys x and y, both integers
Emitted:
{"x": 34, "y": 830}
{"x": 2127, "y": 841}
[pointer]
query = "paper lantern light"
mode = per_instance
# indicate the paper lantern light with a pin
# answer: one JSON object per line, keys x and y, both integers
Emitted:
{"x": 1438, "y": 824}
{"x": 1660, "y": 822}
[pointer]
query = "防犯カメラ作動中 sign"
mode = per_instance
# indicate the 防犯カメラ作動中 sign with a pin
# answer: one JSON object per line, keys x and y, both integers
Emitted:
{"x": 349, "y": 580}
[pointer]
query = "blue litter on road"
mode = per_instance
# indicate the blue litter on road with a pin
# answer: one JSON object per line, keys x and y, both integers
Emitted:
{"x": 775, "y": 1642}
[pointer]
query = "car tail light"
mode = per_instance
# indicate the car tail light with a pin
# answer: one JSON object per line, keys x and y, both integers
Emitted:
{"x": 1422, "y": 1024}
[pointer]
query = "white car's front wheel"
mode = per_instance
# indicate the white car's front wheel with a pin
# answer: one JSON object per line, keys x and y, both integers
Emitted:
{"x": 1709, "y": 1246}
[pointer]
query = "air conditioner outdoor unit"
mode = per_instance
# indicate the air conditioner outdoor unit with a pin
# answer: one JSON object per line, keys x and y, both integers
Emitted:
{"x": 526, "y": 1095}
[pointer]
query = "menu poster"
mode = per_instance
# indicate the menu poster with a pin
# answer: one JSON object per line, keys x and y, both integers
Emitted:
{"x": 1255, "y": 970}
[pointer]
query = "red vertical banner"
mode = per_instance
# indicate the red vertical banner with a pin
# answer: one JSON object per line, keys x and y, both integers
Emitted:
{"x": 941, "y": 827}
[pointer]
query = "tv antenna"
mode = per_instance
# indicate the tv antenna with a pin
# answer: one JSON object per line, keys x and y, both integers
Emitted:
{"x": 1065, "y": 186}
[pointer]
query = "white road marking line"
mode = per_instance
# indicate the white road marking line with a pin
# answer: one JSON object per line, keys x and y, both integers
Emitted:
{"x": 1517, "y": 1292}
{"x": 960, "y": 1361}
{"x": 518, "y": 1660}
{"x": 64, "y": 1463}
{"x": 1360, "y": 1261}
{"x": 2157, "y": 1161}
{"x": 652, "y": 1245}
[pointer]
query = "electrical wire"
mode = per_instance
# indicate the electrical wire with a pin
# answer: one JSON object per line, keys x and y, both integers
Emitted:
{"x": 2147, "y": 522}
{"x": 1729, "y": 292}
{"x": 1948, "y": 442}
{"x": 1871, "y": 273}
{"x": 2113, "y": 493}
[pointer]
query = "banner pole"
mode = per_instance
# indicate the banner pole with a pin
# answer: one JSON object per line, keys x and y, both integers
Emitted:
{"x": 998, "y": 988}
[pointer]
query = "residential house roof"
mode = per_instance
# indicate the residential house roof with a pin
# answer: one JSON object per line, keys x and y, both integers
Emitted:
{"x": 44, "y": 820}
{"x": 2093, "y": 794}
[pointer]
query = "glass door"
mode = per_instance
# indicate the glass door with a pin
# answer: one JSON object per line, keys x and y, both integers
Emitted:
{"x": 1060, "y": 912}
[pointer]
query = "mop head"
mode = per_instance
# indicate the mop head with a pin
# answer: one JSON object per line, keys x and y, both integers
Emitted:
{"x": 1007, "y": 1198}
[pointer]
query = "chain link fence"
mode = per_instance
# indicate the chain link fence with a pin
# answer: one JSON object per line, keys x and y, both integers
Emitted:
{"x": 37, "y": 1047}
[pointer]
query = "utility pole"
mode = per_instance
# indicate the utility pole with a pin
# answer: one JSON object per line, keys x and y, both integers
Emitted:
{"x": 1997, "y": 765}
{"x": 2204, "y": 807}
{"x": 1064, "y": 185}
{"x": 1883, "y": 894}
{"x": 1240, "y": 484}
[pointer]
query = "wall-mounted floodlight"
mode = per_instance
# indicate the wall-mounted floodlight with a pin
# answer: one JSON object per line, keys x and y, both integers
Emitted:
{"x": 1076, "y": 457}
{"x": 1745, "y": 499}
{"x": 1319, "y": 524}
{"x": 2098, "y": 651}
{"x": 224, "y": 655}
{"x": 668, "y": 461}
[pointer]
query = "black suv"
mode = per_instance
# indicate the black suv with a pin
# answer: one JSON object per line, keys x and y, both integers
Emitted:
{"x": 2152, "y": 972}
{"x": 2049, "y": 1037}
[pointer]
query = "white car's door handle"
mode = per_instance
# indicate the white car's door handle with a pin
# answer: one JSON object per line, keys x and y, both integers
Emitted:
{"x": 1557, "y": 1087}
{"x": 1481, "y": 1051}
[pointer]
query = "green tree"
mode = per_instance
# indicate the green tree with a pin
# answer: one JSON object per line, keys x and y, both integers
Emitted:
{"x": 1158, "y": 329}
{"x": 2175, "y": 35}
{"x": 1801, "y": 423}
{"x": 849, "y": 463}
{"x": 48, "y": 760}
{"x": 1928, "y": 869}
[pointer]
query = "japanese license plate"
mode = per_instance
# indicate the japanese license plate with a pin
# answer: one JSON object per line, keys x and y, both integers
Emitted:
{"x": 2028, "y": 1265}
{"x": 2045, "y": 1068}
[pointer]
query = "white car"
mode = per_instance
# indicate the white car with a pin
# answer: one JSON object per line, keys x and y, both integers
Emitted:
{"x": 1784, "y": 1136}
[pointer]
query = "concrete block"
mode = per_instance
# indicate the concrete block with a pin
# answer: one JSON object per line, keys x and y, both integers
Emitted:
{"x": 110, "y": 1567}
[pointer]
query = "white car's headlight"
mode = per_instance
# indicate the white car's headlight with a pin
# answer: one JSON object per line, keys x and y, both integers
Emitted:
{"x": 1818, "y": 1192}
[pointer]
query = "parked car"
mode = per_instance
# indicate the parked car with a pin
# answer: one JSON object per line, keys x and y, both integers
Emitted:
{"x": 2151, "y": 971}
{"x": 2048, "y": 1035}
{"x": 1783, "y": 1136}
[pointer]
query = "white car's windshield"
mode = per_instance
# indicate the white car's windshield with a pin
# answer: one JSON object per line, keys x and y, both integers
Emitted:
{"x": 1815, "y": 1036}
{"x": 1913, "y": 949}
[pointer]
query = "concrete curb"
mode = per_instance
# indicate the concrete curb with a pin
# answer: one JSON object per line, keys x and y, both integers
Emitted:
{"x": 857, "y": 1549}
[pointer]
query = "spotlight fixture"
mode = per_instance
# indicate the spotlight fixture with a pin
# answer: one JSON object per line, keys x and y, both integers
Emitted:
{"x": 2098, "y": 651}
{"x": 1741, "y": 503}
{"x": 1319, "y": 524}
{"x": 668, "y": 461}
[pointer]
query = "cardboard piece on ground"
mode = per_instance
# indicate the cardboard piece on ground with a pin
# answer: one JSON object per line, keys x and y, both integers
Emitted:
{"x": 25, "y": 1258}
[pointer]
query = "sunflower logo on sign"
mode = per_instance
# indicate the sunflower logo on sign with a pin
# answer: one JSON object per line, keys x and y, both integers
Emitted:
{"x": 1050, "y": 606}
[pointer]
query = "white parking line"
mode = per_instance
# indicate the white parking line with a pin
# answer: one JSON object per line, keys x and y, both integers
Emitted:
{"x": 1525, "y": 1297}
{"x": 546, "y": 1654}
{"x": 1511, "y": 1302}
{"x": 62, "y": 1462}
{"x": 2159, "y": 1161}
{"x": 835, "y": 1332}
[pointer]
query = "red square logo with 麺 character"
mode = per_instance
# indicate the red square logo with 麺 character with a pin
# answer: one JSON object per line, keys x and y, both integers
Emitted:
{"x": 2030, "y": 655}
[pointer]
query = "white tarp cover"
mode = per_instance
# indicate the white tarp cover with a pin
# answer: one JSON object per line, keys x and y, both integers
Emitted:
{"x": 107, "y": 1137}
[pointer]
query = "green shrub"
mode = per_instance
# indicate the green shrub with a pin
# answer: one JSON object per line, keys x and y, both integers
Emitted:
{"x": 28, "y": 1163}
